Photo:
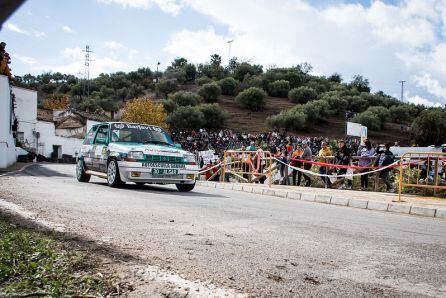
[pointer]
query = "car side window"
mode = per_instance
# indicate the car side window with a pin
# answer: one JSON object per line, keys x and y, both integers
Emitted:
{"x": 90, "y": 136}
{"x": 101, "y": 135}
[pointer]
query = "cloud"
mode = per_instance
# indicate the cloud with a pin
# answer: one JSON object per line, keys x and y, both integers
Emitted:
{"x": 14, "y": 28}
{"x": 384, "y": 42}
{"x": 114, "y": 45}
{"x": 39, "y": 33}
{"x": 67, "y": 29}
{"x": 24, "y": 59}
{"x": 431, "y": 85}
{"x": 172, "y": 7}
{"x": 418, "y": 100}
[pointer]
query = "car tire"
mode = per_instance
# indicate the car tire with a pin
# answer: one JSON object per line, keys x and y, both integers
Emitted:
{"x": 80, "y": 172}
{"x": 113, "y": 176}
{"x": 185, "y": 187}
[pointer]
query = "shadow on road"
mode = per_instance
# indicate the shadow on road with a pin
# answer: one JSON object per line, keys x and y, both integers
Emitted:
{"x": 162, "y": 190}
{"x": 38, "y": 170}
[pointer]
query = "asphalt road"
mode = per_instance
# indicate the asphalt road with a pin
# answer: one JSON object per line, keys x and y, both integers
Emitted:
{"x": 258, "y": 245}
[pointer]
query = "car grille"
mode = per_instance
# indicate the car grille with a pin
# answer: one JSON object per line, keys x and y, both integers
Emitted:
{"x": 163, "y": 158}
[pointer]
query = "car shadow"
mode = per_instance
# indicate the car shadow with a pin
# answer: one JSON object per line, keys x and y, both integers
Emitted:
{"x": 162, "y": 190}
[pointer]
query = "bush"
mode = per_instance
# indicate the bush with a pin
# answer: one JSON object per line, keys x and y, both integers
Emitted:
{"x": 315, "y": 111}
{"x": 252, "y": 98}
{"x": 382, "y": 112}
{"x": 302, "y": 94}
{"x": 203, "y": 80}
{"x": 185, "y": 98}
{"x": 169, "y": 105}
{"x": 429, "y": 128}
{"x": 402, "y": 113}
{"x": 289, "y": 120}
{"x": 336, "y": 103}
{"x": 166, "y": 86}
{"x": 279, "y": 88}
{"x": 357, "y": 104}
{"x": 187, "y": 117}
{"x": 251, "y": 81}
{"x": 144, "y": 110}
{"x": 228, "y": 86}
{"x": 214, "y": 116}
{"x": 369, "y": 119}
{"x": 210, "y": 92}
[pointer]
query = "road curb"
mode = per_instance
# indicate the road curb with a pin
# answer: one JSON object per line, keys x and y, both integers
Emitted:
{"x": 401, "y": 208}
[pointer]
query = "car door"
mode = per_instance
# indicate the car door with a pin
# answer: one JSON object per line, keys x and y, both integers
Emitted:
{"x": 99, "y": 150}
{"x": 87, "y": 147}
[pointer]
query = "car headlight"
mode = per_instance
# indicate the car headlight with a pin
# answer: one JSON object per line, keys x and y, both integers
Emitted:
{"x": 136, "y": 155}
{"x": 190, "y": 158}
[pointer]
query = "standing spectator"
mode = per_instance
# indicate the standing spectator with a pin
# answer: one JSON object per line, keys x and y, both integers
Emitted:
{"x": 343, "y": 157}
{"x": 4, "y": 61}
{"x": 365, "y": 160}
{"x": 296, "y": 164}
{"x": 323, "y": 153}
{"x": 308, "y": 156}
{"x": 385, "y": 158}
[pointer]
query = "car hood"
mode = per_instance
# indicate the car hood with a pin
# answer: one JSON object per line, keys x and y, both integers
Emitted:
{"x": 147, "y": 149}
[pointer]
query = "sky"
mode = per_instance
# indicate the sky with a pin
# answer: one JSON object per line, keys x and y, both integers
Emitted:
{"x": 385, "y": 41}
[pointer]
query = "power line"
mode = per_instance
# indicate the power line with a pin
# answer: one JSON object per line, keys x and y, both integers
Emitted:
{"x": 402, "y": 90}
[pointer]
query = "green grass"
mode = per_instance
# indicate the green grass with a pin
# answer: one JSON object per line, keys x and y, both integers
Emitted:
{"x": 38, "y": 264}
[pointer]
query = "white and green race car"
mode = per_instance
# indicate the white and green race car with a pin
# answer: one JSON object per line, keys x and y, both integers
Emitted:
{"x": 129, "y": 152}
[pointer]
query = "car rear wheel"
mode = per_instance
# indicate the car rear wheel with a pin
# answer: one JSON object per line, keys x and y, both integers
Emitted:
{"x": 113, "y": 177}
{"x": 185, "y": 187}
{"x": 80, "y": 172}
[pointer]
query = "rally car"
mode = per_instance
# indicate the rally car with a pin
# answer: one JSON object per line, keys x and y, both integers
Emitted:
{"x": 130, "y": 152}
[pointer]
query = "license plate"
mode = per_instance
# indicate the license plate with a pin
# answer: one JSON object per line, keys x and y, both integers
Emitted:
{"x": 163, "y": 165}
{"x": 164, "y": 172}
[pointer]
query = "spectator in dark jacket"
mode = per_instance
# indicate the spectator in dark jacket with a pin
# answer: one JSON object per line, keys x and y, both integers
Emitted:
{"x": 385, "y": 157}
{"x": 343, "y": 157}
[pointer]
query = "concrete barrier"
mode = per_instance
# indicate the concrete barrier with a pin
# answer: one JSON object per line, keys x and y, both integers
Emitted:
{"x": 308, "y": 197}
{"x": 323, "y": 199}
{"x": 379, "y": 206}
{"x": 399, "y": 208}
{"x": 339, "y": 201}
{"x": 294, "y": 195}
{"x": 441, "y": 213}
{"x": 423, "y": 211}
{"x": 357, "y": 203}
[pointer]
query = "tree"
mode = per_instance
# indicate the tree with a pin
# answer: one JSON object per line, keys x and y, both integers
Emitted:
{"x": 382, "y": 112}
{"x": 290, "y": 120}
{"x": 210, "y": 92}
{"x": 360, "y": 83}
{"x": 369, "y": 119}
{"x": 214, "y": 116}
{"x": 215, "y": 60}
{"x": 228, "y": 85}
{"x": 335, "y": 101}
{"x": 252, "y": 98}
{"x": 302, "y": 94}
{"x": 56, "y": 102}
{"x": 144, "y": 110}
{"x": 429, "y": 128}
{"x": 179, "y": 62}
{"x": 186, "y": 118}
{"x": 166, "y": 86}
{"x": 335, "y": 78}
{"x": 191, "y": 72}
{"x": 279, "y": 88}
{"x": 169, "y": 105}
{"x": 403, "y": 113}
{"x": 203, "y": 80}
{"x": 185, "y": 98}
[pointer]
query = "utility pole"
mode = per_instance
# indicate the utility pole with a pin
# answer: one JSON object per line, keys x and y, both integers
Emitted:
{"x": 402, "y": 90}
{"x": 87, "y": 68}
{"x": 229, "y": 49}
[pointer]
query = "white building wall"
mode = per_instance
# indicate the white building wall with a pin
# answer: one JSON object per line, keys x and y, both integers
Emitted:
{"x": 26, "y": 113}
{"x": 48, "y": 138}
{"x": 7, "y": 144}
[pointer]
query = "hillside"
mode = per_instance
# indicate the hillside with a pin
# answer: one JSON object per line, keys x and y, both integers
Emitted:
{"x": 334, "y": 127}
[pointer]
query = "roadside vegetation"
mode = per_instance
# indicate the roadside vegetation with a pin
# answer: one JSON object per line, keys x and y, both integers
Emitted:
{"x": 184, "y": 87}
{"x": 37, "y": 264}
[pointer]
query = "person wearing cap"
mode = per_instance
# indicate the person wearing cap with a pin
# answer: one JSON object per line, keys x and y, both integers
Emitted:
{"x": 385, "y": 157}
{"x": 365, "y": 160}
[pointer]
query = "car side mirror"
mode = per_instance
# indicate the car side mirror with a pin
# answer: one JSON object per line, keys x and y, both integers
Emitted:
{"x": 178, "y": 146}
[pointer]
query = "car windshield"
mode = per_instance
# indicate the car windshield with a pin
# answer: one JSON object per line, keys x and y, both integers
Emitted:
{"x": 139, "y": 133}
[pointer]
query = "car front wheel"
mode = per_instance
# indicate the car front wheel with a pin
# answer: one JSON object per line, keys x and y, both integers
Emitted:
{"x": 113, "y": 177}
{"x": 185, "y": 187}
{"x": 80, "y": 172}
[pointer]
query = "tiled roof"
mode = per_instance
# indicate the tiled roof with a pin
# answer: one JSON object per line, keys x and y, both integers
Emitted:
{"x": 45, "y": 115}
{"x": 94, "y": 117}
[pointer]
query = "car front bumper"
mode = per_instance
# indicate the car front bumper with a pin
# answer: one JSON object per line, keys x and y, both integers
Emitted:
{"x": 136, "y": 172}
